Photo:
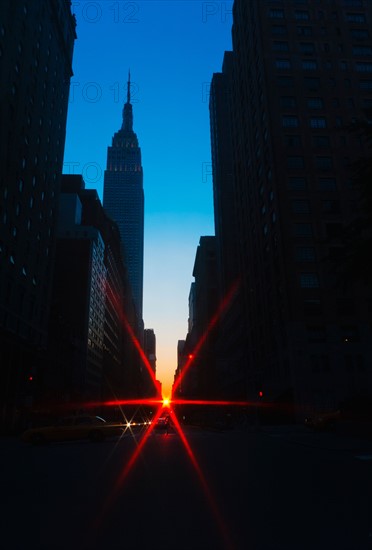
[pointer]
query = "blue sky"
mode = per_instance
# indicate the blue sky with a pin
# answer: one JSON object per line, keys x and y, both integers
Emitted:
{"x": 172, "y": 49}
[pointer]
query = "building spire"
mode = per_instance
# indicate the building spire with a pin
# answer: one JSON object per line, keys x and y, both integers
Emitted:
{"x": 127, "y": 125}
{"x": 128, "y": 89}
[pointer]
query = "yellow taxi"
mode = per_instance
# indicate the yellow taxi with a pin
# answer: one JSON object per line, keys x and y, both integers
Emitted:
{"x": 72, "y": 428}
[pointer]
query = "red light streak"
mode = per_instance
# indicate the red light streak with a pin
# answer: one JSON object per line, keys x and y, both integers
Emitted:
{"x": 132, "y": 336}
{"x": 220, "y": 310}
{"x": 165, "y": 403}
{"x": 211, "y": 500}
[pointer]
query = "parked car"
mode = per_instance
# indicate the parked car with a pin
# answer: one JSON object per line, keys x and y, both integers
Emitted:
{"x": 71, "y": 428}
{"x": 323, "y": 421}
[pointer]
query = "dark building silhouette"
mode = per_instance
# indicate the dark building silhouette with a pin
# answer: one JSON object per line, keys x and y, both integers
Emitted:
{"x": 231, "y": 353}
{"x": 92, "y": 356}
{"x": 181, "y": 360}
{"x": 36, "y": 45}
{"x": 149, "y": 347}
{"x": 301, "y": 75}
{"x": 200, "y": 346}
{"x": 123, "y": 197}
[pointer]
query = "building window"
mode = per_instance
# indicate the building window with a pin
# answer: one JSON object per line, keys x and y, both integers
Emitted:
{"x": 363, "y": 67}
{"x": 290, "y": 121}
{"x": 321, "y": 142}
{"x": 276, "y": 14}
{"x": 282, "y": 64}
{"x": 295, "y": 163}
{"x": 304, "y": 31}
{"x": 305, "y": 254}
{"x": 312, "y": 83}
{"x": 315, "y": 103}
{"x": 365, "y": 84}
{"x": 334, "y": 230}
{"x": 307, "y": 47}
{"x": 320, "y": 363}
{"x": 355, "y": 17}
{"x": 293, "y": 141}
{"x": 354, "y": 362}
{"x": 359, "y": 34}
{"x": 365, "y": 51}
{"x": 288, "y": 102}
{"x": 280, "y": 46}
{"x": 303, "y": 230}
{"x": 279, "y": 30}
{"x": 297, "y": 184}
{"x": 316, "y": 334}
{"x": 327, "y": 184}
{"x": 353, "y": 3}
{"x": 301, "y": 207}
{"x": 309, "y": 65}
{"x": 302, "y": 15}
{"x": 318, "y": 122}
{"x": 331, "y": 207}
{"x": 313, "y": 306}
{"x": 349, "y": 334}
{"x": 309, "y": 280}
{"x": 324, "y": 163}
{"x": 285, "y": 82}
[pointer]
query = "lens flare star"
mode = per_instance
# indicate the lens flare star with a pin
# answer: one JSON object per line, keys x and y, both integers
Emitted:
{"x": 166, "y": 407}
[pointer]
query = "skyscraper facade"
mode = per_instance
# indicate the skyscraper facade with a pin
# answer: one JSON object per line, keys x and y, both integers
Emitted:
{"x": 301, "y": 76}
{"x": 123, "y": 198}
{"x": 36, "y": 46}
{"x": 230, "y": 353}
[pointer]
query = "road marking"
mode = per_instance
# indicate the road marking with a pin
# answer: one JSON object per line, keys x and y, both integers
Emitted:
{"x": 364, "y": 457}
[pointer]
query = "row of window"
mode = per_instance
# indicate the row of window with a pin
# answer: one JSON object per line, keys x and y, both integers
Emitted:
{"x": 299, "y": 183}
{"x": 321, "y": 163}
{"x": 290, "y": 102}
{"x": 322, "y": 363}
{"x": 305, "y": 230}
{"x": 345, "y": 3}
{"x": 302, "y": 206}
{"x": 310, "y": 47}
{"x": 312, "y": 65}
{"x": 314, "y": 84}
{"x": 356, "y": 34}
{"x": 304, "y": 15}
{"x": 347, "y": 334}
{"x": 319, "y": 122}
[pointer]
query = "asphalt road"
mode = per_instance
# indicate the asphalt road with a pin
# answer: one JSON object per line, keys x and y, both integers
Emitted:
{"x": 274, "y": 489}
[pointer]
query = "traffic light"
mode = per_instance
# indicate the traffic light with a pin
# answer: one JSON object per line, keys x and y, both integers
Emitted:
{"x": 260, "y": 394}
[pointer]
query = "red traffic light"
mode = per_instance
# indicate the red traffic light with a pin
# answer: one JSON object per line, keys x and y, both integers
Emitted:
{"x": 30, "y": 378}
{"x": 260, "y": 393}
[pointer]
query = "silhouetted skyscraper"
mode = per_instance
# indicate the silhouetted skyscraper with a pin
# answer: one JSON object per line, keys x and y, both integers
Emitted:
{"x": 36, "y": 45}
{"x": 123, "y": 197}
{"x": 301, "y": 76}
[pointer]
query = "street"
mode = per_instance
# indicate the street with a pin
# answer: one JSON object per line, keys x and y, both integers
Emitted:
{"x": 277, "y": 488}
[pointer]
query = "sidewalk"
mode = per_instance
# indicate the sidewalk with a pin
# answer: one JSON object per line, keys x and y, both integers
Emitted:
{"x": 326, "y": 440}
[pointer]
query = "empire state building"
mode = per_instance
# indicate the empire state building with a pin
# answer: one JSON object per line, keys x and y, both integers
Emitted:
{"x": 123, "y": 197}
